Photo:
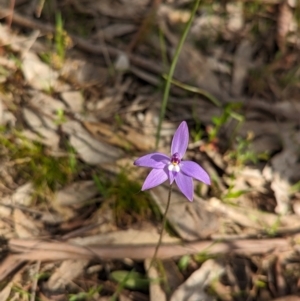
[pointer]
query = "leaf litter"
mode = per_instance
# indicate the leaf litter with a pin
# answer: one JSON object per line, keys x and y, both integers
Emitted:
{"x": 97, "y": 110}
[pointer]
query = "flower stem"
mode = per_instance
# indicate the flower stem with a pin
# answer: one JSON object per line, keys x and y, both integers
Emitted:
{"x": 164, "y": 223}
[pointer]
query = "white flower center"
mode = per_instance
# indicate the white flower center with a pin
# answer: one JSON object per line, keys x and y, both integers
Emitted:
{"x": 174, "y": 167}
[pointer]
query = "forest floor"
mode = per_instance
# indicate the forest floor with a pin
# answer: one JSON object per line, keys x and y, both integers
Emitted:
{"x": 82, "y": 84}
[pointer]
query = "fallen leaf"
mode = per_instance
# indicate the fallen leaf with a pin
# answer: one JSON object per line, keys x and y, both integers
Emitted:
{"x": 130, "y": 236}
{"x": 42, "y": 125}
{"x": 77, "y": 193}
{"x": 23, "y": 195}
{"x": 25, "y": 227}
{"x": 155, "y": 290}
{"x": 65, "y": 274}
{"x": 122, "y": 62}
{"x": 90, "y": 150}
{"x": 83, "y": 73}
{"x": 6, "y": 117}
{"x": 281, "y": 188}
{"x": 194, "y": 288}
{"x": 191, "y": 220}
{"x": 72, "y": 197}
{"x": 74, "y": 100}
{"x": 38, "y": 74}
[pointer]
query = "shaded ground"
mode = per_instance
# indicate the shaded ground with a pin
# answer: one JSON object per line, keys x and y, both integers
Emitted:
{"x": 81, "y": 87}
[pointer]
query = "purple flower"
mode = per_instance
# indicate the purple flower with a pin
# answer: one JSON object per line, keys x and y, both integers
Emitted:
{"x": 174, "y": 168}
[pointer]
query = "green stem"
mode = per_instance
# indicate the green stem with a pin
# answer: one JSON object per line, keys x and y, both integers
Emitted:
{"x": 171, "y": 71}
{"x": 164, "y": 223}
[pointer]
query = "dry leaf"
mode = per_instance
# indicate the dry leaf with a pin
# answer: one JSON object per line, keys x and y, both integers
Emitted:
{"x": 77, "y": 193}
{"x": 173, "y": 275}
{"x": 46, "y": 104}
{"x": 125, "y": 137}
{"x": 194, "y": 288}
{"x": 82, "y": 73}
{"x": 6, "y": 117}
{"x": 40, "y": 124}
{"x": 90, "y": 150}
{"x": 155, "y": 290}
{"x": 122, "y": 62}
{"x": 38, "y": 74}
{"x": 23, "y": 195}
{"x": 25, "y": 227}
{"x": 281, "y": 188}
{"x": 104, "y": 132}
{"x": 130, "y": 236}
{"x": 5, "y": 292}
{"x": 251, "y": 218}
{"x": 191, "y": 220}
{"x": 65, "y": 274}
{"x": 74, "y": 100}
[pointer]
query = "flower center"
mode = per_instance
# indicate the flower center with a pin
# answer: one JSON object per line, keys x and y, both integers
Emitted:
{"x": 174, "y": 165}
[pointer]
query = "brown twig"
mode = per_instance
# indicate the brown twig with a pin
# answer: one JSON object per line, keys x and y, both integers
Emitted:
{"x": 43, "y": 250}
{"x": 30, "y": 250}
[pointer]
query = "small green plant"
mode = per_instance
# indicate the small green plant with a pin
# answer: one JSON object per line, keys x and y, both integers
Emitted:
{"x": 33, "y": 161}
{"x": 184, "y": 262}
{"x": 260, "y": 283}
{"x": 243, "y": 152}
{"x": 273, "y": 229}
{"x": 122, "y": 193}
{"x": 229, "y": 112}
{"x": 60, "y": 117}
{"x": 130, "y": 279}
{"x": 21, "y": 292}
{"x": 233, "y": 194}
{"x": 60, "y": 37}
{"x": 295, "y": 188}
{"x": 197, "y": 132}
{"x": 85, "y": 296}
{"x": 61, "y": 42}
{"x": 203, "y": 256}
{"x": 72, "y": 157}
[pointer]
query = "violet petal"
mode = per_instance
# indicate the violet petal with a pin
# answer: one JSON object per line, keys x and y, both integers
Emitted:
{"x": 154, "y": 160}
{"x": 186, "y": 185}
{"x": 194, "y": 170}
{"x": 180, "y": 140}
{"x": 171, "y": 176}
{"x": 155, "y": 178}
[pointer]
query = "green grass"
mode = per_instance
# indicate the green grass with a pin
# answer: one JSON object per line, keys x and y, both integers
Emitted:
{"x": 58, "y": 44}
{"x": 172, "y": 70}
{"x": 33, "y": 163}
{"x": 84, "y": 296}
{"x": 125, "y": 197}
